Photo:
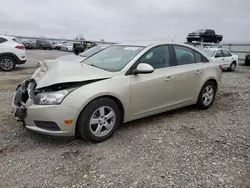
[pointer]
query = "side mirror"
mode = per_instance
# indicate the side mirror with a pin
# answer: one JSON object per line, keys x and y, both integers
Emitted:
{"x": 216, "y": 56}
{"x": 143, "y": 68}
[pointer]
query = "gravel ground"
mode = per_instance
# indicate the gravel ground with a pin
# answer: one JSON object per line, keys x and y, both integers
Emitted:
{"x": 181, "y": 148}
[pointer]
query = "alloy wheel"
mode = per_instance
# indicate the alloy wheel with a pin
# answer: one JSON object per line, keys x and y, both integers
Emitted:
{"x": 208, "y": 95}
{"x": 102, "y": 121}
{"x": 6, "y": 64}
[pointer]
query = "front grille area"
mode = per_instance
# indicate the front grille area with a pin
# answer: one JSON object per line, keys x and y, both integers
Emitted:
{"x": 47, "y": 125}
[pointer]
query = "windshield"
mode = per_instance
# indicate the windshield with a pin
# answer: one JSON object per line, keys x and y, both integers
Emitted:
{"x": 210, "y": 52}
{"x": 92, "y": 51}
{"x": 114, "y": 58}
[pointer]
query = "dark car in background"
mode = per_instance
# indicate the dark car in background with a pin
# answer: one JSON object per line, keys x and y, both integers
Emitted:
{"x": 204, "y": 35}
{"x": 79, "y": 47}
{"x": 29, "y": 45}
{"x": 247, "y": 59}
{"x": 43, "y": 45}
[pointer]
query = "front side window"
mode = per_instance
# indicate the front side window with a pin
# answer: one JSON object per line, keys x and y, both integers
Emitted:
{"x": 114, "y": 58}
{"x": 158, "y": 57}
{"x": 184, "y": 55}
{"x": 227, "y": 53}
{"x": 218, "y": 54}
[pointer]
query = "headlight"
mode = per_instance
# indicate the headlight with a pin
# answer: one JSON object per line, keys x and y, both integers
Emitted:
{"x": 52, "y": 98}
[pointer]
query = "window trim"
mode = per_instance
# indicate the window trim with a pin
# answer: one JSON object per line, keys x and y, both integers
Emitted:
{"x": 129, "y": 71}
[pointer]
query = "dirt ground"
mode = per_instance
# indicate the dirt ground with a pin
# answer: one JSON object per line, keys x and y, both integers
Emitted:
{"x": 181, "y": 148}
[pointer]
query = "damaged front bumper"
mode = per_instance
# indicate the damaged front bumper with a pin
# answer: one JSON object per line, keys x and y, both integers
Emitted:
{"x": 23, "y": 96}
{"x": 46, "y": 119}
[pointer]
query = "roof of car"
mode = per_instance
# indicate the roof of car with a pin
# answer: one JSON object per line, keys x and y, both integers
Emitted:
{"x": 214, "y": 49}
{"x": 7, "y": 37}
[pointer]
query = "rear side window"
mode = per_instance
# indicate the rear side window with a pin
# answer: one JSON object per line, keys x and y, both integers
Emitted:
{"x": 219, "y": 54}
{"x": 184, "y": 55}
{"x": 227, "y": 53}
{"x": 198, "y": 57}
{"x": 2, "y": 40}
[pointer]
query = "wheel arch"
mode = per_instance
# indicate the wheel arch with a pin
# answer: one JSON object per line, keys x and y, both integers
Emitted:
{"x": 112, "y": 97}
{"x": 212, "y": 79}
{"x": 10, "y": 55}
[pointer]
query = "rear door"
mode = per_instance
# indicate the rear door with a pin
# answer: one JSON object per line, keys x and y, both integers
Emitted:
{"x": 228, "y": 58}
{"x": 188, "y": 71}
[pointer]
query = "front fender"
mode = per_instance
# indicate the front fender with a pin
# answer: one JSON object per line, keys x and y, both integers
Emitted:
{"x": 118, "y": 87}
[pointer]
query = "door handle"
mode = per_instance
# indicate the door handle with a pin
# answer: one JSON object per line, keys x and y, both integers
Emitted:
{"x": 222, "y": 59}
{"x": 198, "y": 72}
{"x": 169, "y": 78}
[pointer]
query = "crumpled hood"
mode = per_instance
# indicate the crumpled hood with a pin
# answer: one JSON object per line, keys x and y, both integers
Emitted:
{"x": 52, "y": 72}
{"x": 72, "y": 58}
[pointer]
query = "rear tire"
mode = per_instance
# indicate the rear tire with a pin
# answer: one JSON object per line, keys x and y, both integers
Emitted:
{"x": 7, "y": 63}
{"x": 232, "y": 66}
{"x": 206, "y": 96}
{"x": 103, "y": 124}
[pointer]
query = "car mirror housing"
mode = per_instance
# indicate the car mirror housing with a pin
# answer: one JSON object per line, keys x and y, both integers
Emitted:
{"x": 143, "y": 68}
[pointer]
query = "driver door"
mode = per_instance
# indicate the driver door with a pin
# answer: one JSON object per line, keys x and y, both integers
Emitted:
{"x": 152, "y": 92}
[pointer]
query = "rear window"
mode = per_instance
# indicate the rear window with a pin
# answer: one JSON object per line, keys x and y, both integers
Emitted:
{"x": 2, "y": 40}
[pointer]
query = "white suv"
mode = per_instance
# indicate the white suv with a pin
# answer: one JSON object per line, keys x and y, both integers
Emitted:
{"x": 12, "y": 53}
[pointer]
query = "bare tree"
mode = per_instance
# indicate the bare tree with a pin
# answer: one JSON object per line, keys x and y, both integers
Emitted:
{"x": 80, "y": 37}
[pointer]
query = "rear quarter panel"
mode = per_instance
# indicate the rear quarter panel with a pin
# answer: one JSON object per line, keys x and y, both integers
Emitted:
{"x": 211, "y": 71}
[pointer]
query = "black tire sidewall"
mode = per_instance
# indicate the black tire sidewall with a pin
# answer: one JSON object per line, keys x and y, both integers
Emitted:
{"x": 200, "y": 103}
{"x": 231, "y": 66}
{"x": 8, "y": 57}
{"x": 83, "y": 128}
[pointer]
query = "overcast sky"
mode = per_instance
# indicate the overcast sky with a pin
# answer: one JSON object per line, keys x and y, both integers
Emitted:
{"x": 123, "y": 20}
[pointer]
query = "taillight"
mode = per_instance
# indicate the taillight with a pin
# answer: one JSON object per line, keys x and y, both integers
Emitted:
{"x": 221, "y": 68}
{"x": 21, "y": 47}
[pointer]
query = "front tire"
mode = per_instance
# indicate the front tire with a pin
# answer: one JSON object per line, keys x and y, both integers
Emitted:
{"x": 7, "y": 63}
{"x": 99, "y": 120}
{"x": 206, "y": 96}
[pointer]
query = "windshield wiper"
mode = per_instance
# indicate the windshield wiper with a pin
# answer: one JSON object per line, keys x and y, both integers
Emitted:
{"x": 92, "y": 65}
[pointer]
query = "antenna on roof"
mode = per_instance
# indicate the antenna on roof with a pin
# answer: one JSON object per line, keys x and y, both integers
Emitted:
{"x": 6, "y": 33}
{"x": 174, "y": 36}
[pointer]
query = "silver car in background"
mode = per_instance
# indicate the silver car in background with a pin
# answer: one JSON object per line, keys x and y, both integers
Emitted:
{"x": 119, "y": 84}
{"x": 68, "y": 46}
